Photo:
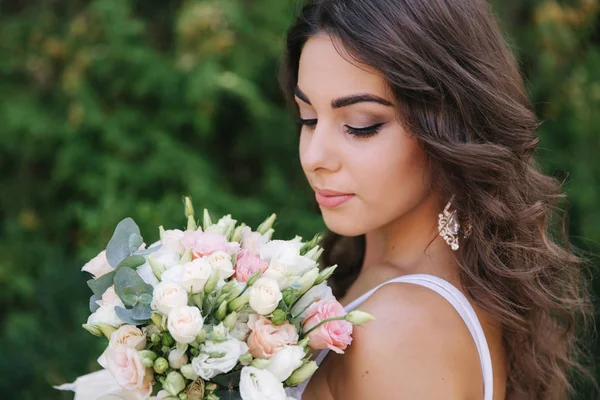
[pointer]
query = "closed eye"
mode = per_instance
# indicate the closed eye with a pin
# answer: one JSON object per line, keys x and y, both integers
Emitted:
{"x": 306, "y": 122}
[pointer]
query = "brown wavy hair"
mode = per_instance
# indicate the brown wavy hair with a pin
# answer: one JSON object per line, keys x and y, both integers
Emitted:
{"x": 462, "y": 96}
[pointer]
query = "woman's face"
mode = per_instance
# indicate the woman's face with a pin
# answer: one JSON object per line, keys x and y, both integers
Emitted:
{"x": 366, "y": 169}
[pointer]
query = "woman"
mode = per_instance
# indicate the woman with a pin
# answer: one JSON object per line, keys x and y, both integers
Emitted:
{"x": 417, "y": 136}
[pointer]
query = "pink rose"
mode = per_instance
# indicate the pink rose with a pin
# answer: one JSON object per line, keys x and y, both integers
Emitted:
{"x": 126, "y": 367}
{"x": 205, "y": 243}
{"x": 98, "y": 265}
{"x": 247, "y": 264}
{"x": 335, "y": 335}
{"x": 266, "y": 339}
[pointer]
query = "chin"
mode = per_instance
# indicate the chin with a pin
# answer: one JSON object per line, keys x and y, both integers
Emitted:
{"x": 344, "y": 224}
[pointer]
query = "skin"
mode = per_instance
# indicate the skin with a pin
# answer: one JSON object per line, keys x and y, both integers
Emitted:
{"x": 402, "y": 354}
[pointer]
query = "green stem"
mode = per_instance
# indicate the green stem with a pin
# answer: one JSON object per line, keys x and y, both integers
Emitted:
{"x": 324, "y": 321}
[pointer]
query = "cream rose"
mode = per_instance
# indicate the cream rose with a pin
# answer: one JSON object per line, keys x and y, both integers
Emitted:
{"x": 130, "y": 336}
{"x": 168, "y": 295}
{"x": 207, "y": 366}
{"x": 257, "y": 384}
{"x": 126, "y": 367}
{"x": 178, "y": 357}
{"x": 184, "y": 324}
{"x": 191, "y": 276}
{"x": 266, "y": 339}
{"x": 285, "y": 361}
{"x": 98, "y": 265}
{"x": 221, "y": 261}
{"x": 264, "y": 296}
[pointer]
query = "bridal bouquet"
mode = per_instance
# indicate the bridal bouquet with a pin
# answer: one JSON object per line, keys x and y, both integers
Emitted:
{"x": 217, "y": 311}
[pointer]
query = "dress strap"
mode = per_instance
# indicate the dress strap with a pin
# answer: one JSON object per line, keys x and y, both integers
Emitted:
{"x": 462, "y": 306}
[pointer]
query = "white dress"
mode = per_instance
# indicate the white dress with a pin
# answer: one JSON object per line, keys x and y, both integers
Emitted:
{"x": 457, "y": 300}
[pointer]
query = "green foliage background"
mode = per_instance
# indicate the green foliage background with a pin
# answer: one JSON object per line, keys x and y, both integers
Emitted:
{"x": 114, "y": 108}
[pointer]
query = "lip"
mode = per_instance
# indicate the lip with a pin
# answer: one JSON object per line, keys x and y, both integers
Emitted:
{"x": 331, "y": 199}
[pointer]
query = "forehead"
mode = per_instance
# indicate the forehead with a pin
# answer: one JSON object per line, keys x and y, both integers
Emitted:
{"x": 324, "y": 72}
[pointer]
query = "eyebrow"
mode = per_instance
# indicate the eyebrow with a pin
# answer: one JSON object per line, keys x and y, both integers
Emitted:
{"x": 348, "y": 100}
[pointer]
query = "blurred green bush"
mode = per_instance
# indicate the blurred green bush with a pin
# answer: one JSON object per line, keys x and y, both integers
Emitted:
{"x": 114, "y": 108}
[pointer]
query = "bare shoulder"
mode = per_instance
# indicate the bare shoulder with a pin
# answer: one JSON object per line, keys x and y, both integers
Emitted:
{"x": 417, "y": 347}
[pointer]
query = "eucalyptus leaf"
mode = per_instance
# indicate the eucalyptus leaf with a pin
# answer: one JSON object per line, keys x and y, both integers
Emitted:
{"x": 135, "y": 241}
{"x": 126, "y": 316}
{"x": 93, "y": 305}
{"x": 118, "y": 247}
{"x": 100, "y": 285}
{"x": 231, "y": 379}
{"x": 130, "y": 287}
{"x": 228, "y": 395}
{"x": 141, "y": 311}
{"x": 133, "y": 261}
{"x": 148, "y": 251}
{"x": 129, "y": 299}
{"x": 146, "y": 298}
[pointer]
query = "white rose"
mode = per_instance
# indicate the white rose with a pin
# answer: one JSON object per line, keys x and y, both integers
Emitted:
{"x": 145, "y": 272}
{"x": 192, "y": 276}
{"x": 178, "y": 357}
{"x": 257, "y": 384}
{"x": 277, "y": 272}
{"x": 222, "y": 225}
{"x": 264, "y": 296}
{"x": 208, "y": 367}
{"x": 171, "y": 240}
{"x": 221, "y": 261}
{"x": 314, "y": 294}
{"x": 241, "y": 330}
{"x": 285, "y": 256}
{"x": 168, "y": 295}
{"x": 286, "y": 361}
{"x": 253, "y": 241}
{"x": 98, "y": 265}
{"x": 126, "y": 367}
{"x": 184, "y": 324}
{"x": 105, "y": 315}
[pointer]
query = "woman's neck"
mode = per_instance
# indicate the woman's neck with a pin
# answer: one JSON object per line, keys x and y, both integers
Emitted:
{"x": 412, "y": 244}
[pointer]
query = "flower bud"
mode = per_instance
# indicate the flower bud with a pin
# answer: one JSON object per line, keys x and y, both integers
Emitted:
{"x": 189, "y": 372}
{"x": 158, "y": 320}
{"x": 237, "y": 233}
{"x": 155, "y": 338}
{"x": 189, "y": 208}
{"x": 161, "y": 232}
{"x": 253, "y": 278}
{"x": 93, "y": 329}
{"x": 279, "y": 317}
{"x": 198, "y": 299}
{"x": 239, "y": 303}
{"x": 358, "y": 317}
{"x": 325, "y": 274}
{"x": 304, "y": 342}
{"x": 211, "y": 284}
{"x": 302, "y": 373}
{"x": 268, "y": 234}
{"x": 266, "y": 225}
{"x": 186, "y": 257}
{"x": 147, "y": 357}
{"x": 201, "y": 336}
{"x": 183, "y": 396}
{"x": 289, "y": 295}
{"x": 195, "y": 351}
{"x": 157, "y": 268}
{"x": 191, "y": 223}
{"x": 235, "y": 292}
{"x": 211, "y": 396}
{"x": 167, "y": 339}
{"x": 230, "y": 320}
{"x": 160, "y": 365}
{"x": 206, "y": 221}
{"x": 221, "y": 311}
{"x": 246, "y": 359}
{"x": 229, "y": 285}
{"x": 107, "y": 330}
{"x": 314, "y": 253}
{"x": 178, "y": 357}
{"x": 260, "y": 363}
{"x": 174, "y": 383}
{"x": 211, "y": 387}
{"x": 308, "y": 279}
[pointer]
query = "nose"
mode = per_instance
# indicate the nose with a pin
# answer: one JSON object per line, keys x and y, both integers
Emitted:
{"x": 319, "y": 149}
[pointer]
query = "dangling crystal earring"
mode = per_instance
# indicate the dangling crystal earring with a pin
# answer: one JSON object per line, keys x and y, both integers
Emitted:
{"x": 448, "y": 226}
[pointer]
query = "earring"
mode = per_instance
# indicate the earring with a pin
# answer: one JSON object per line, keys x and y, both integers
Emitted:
{"x": 448, "y": 226}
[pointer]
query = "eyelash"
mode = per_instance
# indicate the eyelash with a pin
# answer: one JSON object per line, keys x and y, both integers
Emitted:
{"x": 358, "y": 132}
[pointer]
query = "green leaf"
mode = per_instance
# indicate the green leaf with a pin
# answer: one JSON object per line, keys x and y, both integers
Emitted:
{"x": 93, "y": 305}
{"x": 130, "y": 287}
{"x": 231, "y": 379}
{"x": 146, "y": 298}
{"x": 127, "y": 316}
{"x": 141, "y": 311}
{"x": 132, "y": 262}
{"x": 100, "y": 285}
{"x": 118, "y": 247}
{"x": 129, "y": 298}
{"x": 135, "y": 241}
